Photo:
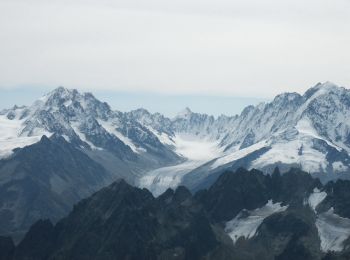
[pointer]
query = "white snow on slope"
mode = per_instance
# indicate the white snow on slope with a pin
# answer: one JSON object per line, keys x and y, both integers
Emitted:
{"x": 339, "y": 167}
{"x": 111, "y": 128}
{"x": 333, "y": 230}
{"x": 163, "y": 137}
{"x": 10, "y": 136}
{"x": 285, "y": 147}
{"x": 246, "y": 226}
{"x": 293, "y": 148}
{"x": 238, "y": 154}
{"x": 316, "y": 198}
{"x": 304, "y": 127}
{"x": 197, "y": 153}
{"x": 324, "y": 90}
{"x": 82, "y": 136}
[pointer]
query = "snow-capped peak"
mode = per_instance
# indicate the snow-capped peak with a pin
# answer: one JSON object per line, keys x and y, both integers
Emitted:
{"x": 328, "y": 85}
{"x": 185, "y": 113}
{"x": 59, "y": 95}
{"x": 71, "y": 101}
{"x": 287, "y": 97}
{"x": 322, "y": 88}
{"x": 59, "y": 92}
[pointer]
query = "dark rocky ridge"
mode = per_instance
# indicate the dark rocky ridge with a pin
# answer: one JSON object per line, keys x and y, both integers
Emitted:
{"x": 44, "y": 180}
{"x": 124, "y": 222}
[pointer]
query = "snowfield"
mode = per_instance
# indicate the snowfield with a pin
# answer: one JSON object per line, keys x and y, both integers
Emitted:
{"x": 316, "y": 198}
{"x": 294, "y": 146}
{"x": 246, "y": 226}
{"x": 333, "y": 230}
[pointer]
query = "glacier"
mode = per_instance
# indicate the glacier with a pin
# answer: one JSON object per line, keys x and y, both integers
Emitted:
{"x": 195, "y": 151}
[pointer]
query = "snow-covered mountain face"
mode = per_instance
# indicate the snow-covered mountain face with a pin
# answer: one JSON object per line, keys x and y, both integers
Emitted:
{"x": 83, "y": 120}
{"x": 311, "y": 131}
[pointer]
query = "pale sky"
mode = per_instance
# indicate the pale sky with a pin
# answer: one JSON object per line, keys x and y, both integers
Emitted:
{"x": 227, "y": 48}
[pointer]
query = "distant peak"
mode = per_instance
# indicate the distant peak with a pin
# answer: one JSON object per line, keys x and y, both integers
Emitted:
{"x": 140, "y": 111}
{"x": 287, "y": 97}
{"x": 326, "y": 85}
{"x": 322, "y": 88}
{"x": 88, "y": 95}
{"x": 184, "y": 113}
{"x": 62, "y": 95}
{"x": 62, "y": 89}
{"x": 61, "y": 92}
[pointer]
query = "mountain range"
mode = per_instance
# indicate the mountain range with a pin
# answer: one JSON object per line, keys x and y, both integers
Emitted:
{"x": 67, "y": 145}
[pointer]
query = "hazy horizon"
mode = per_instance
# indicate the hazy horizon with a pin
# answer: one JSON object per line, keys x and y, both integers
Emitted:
{"x": 166, "y": 104}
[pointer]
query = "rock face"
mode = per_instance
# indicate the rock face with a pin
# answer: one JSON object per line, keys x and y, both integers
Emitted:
{"x": 44, "y": 180}
{"x": 122, "y": 222}
{"x": 7, "y": 248}
{"x": 278, "y": 218}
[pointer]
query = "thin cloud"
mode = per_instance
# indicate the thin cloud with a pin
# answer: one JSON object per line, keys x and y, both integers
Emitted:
{"x": 242, "y": 48}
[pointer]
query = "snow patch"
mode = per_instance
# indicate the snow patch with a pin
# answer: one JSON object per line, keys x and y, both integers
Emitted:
{"x": 111, "y": 128}
{"x": 316, "y": 198}
{"x": 333, "y": 230}
{"x": 304, "y": 127}
{"x": 246, "y": 226}
{"x": 339, "y": 167}
{"x": 83, "y": 137}
{"x": 163, "y": 137}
